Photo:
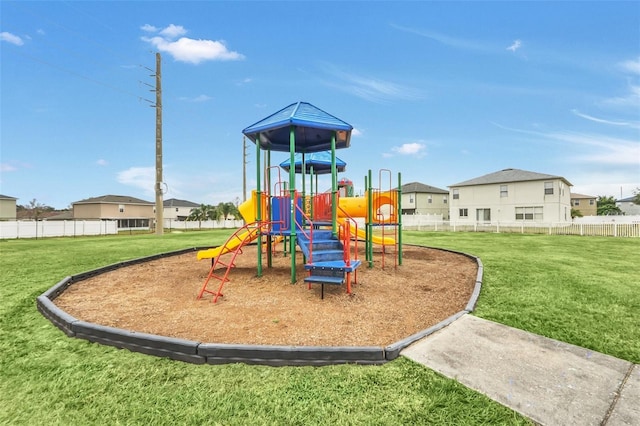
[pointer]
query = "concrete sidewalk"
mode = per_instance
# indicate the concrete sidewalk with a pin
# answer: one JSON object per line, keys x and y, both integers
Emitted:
{"x": 549, "y": 381}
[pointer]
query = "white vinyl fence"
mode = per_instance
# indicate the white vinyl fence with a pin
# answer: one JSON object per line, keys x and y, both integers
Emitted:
{"x": 56, "y": 228}
{"x": 184, "y": 225}
{"x": 585, "y": 229}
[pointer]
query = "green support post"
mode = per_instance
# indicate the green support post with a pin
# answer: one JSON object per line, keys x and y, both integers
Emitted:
{"x": 259, "y": 201}
{"x": 292, "y": 192}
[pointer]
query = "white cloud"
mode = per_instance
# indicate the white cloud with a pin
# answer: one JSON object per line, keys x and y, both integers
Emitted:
{"x": 356, "y": 132}
{"x": 139, "y": 177}
{"x": 608, "y": 150}
{"x": 631, "y": 65}
{"x": 102, "y": 162}
{"x": 603, "y": 121}
{"x": 11, "y": 38}
{"x": 173, "y": 31}
{"x": 517, "y": 44}
{"x": 149, "y": 28}
{"x": 596, "y": 148}
{"x": 244, "y": 81}
{"x": 631, "y": 99}
{"x": 415, "y": 149}
{"x": 447, "y": 40}
{"x": 369, "y": 88}
{"x": 6, "y": 167}
{"x": 187, "y": 49}
{"x": 199, "y": 98}
{"x": 41, "y": 31}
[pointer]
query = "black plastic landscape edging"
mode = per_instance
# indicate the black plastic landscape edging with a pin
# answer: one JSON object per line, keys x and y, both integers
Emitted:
{"x": 220, "y": 353}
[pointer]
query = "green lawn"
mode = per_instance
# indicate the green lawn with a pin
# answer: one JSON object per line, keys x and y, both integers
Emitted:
{"x": 575, "y": 289}
{"x": 581, "y": 290}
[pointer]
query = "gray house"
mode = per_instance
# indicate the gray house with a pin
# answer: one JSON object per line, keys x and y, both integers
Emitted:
{"x": 627, "y": 206}
{"x": 418, "y": 198}
{"x": 178, "y": 209}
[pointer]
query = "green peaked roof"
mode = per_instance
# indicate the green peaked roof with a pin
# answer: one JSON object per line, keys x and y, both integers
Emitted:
{"x": 314, "y": 129}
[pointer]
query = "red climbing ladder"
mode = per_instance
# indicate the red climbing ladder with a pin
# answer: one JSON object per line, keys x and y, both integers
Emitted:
{"x": 232, "y": 246}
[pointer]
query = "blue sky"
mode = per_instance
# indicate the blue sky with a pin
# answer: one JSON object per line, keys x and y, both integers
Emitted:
{"x": 441, "y": 92}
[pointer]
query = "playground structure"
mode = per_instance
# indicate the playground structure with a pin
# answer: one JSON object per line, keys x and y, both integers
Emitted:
{"x": 326, "y": 226}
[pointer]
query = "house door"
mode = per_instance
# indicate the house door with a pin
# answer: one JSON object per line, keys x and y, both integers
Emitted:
{"x": 483, "y": 215}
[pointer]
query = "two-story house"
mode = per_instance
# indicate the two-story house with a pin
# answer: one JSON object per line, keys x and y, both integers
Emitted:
{"x": 418, "y": 198}
{"x": 511, "y": 196}
{"x": 7, "y": 207}
{"x": 129, "y": 211}
{"x": 178, "y": 209}
{"x": 587, "y": 205}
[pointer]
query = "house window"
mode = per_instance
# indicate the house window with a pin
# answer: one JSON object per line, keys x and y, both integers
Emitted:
{"x": 592, "y": 202}
{"x": 133, "y": 223}
{"x": 411, "y": 199}
{"x": 548, "y": 188}
{"x": 576, "y": 202}
{"x": 456, "y": 194}
{"x": 176, "y": 209}
{"x": 429, "y": 199}
{"x": 529, "y": 213}
{"x": 504, "y": 190}
{"x": 463, "y": 213}
{"x": 444, "y": 200}
{"x": 483, "y": 215}
{"x": 121, "y": 208}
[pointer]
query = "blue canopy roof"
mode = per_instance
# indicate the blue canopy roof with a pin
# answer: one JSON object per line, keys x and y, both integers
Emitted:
{"x": 320, "y": 161}
{"x": 314, "y": 129}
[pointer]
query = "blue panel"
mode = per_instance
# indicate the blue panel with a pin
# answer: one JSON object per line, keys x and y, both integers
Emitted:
{"x": 281, "y": 213}
{"x": 320, "y": 161}
{"x": 314, "y": 129}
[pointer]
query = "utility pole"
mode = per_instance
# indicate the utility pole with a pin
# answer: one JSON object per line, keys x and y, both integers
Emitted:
{"x": 159, "y": 204}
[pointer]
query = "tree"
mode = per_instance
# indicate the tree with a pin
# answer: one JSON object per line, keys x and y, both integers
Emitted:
{"x": 575, "y": 213}
{"x": 227, "y": 209}
{"x": 636, "y": 198}
{"x": 607, "y": 206}
{"x": 35, "y": 209}
{"x": 204, "y": 212}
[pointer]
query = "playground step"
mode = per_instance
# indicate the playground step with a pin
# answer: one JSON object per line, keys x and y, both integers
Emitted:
{"x": 334, "y": 265}
{"x": 319, "y": 279}
{"x": 327, "y": 255}
{"x": 323, "y": 272}
{"x": 318, "y": 234}
{"x": 326, "y": 245}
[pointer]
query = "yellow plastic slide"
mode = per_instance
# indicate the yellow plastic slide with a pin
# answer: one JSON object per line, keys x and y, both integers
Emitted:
{"x": 362, "y": 234}
{"x": 247, "y": 210}
{"x": 226, "y": 248}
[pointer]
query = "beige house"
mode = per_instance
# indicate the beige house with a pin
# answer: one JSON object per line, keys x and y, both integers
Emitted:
{"x": 418, "y": 198}
{"x": 178, "y": 209}
{"x": 7, "y": 207}
{"x": 511, "y": 196}
{"x": 586, "y": 204}
{"x": 129, "y": 211}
